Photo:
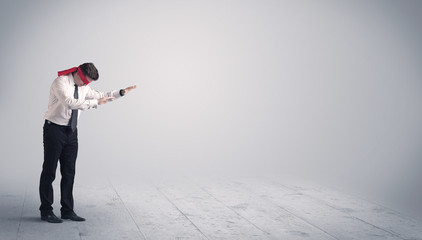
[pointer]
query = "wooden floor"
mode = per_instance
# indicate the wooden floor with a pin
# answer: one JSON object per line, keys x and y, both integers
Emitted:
{"x": 243, "y": 208}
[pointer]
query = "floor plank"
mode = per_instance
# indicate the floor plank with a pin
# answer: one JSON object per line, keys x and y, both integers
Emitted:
{"x": 155, "y": 214}
{"x": 212, "y": 217}
{"x": 106, "y": 214}
{"x": 276, "y": 222}
{"x": 336, "y": 223}
{"x": 384, "y": 218}
{"x": 11, "y": 208}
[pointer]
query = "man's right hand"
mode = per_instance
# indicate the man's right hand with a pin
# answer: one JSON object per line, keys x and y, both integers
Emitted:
{"x": 105, "y": 100}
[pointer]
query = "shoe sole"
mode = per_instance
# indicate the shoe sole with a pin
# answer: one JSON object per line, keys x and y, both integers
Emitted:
{"x": 66, "y": 218}
{"x": 46, "y": 220}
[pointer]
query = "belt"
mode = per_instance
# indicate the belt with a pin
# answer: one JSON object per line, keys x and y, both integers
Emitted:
{"x": 51, "y": 123}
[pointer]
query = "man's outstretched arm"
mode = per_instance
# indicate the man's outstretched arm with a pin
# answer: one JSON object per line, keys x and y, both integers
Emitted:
{"x": 108, "y": 96}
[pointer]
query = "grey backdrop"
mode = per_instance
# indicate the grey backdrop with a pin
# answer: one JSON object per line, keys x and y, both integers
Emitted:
{"x": 326, "y": 90}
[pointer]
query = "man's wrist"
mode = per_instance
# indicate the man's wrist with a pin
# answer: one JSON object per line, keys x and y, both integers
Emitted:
{"x": 122, "y": 92}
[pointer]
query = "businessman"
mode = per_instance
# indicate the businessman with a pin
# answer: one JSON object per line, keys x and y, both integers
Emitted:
{"x": 69, "y": 93}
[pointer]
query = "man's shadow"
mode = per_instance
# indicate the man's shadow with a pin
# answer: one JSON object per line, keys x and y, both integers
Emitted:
{"x": 23, "y": 219}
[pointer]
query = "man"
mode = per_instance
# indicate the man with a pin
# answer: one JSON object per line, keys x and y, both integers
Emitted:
{"x": 69, "y": 93}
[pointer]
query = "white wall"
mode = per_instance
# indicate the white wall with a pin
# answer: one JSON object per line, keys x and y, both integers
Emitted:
{"x": 315, "y": 88}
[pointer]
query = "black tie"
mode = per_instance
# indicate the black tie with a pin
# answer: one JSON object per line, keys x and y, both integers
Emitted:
{"x": 74, "y": 116}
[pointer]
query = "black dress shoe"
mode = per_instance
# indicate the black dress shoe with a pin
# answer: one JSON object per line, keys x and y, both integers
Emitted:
{"x": 72, "y": 216}
{"x": 50, "y": 217}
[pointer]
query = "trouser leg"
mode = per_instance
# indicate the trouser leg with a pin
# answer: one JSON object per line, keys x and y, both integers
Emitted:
{"x": 67, "y": 169}
{"x": 53, "y": 139}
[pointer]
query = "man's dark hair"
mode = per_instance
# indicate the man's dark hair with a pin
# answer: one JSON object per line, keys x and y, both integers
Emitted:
{"x": 89, "y": 70}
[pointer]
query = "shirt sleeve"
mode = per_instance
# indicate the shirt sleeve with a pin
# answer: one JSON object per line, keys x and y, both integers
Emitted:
{"x": 94, "y": 94}
{"x": 67, "y": 99}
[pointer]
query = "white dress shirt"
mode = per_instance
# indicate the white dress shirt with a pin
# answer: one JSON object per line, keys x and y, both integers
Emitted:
{"x": 62, "y": 99}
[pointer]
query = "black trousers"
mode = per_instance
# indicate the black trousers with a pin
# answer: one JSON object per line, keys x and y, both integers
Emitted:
{"x": 60, "y": 143}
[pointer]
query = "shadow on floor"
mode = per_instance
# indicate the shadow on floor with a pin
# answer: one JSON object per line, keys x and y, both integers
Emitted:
{"x": 24, "y": 219}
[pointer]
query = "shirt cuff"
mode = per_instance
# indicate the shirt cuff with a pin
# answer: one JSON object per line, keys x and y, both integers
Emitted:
{"x": 93, "y": 103}
{"x": 116, "y": 94}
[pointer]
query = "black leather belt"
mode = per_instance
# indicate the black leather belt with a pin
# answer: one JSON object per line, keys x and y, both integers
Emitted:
{"x": 51, "y": 123}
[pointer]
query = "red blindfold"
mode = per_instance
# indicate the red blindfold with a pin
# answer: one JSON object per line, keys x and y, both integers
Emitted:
{"x": 71, "y": 70}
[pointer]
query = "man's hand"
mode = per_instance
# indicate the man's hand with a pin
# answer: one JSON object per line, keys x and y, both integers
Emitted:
{"x": 128, "y": 89}
{"x": 105, "y": 100}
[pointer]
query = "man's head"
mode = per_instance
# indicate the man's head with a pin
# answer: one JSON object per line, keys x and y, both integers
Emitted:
{"x": 89, "y": 71}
